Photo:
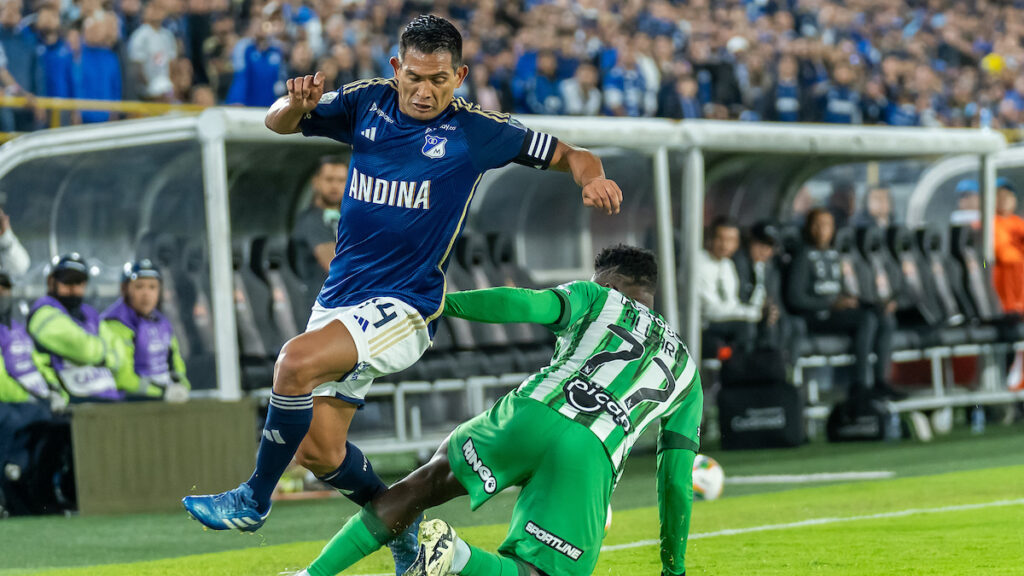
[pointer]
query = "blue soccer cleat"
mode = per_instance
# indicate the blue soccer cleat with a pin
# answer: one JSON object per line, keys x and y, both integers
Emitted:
{"x": 232, "y": 510}
{"x": 404, "y": 547}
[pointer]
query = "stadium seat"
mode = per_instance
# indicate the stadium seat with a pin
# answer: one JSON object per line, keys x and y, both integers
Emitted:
{"x": 295, "y": 265}
{"x": 534, "y": 341}
{"x": 948, "y": 279}
{"x": 884, "y": 279}
{"x": 195, "y": 279}
{"x": 171, "y": 266}
{"x": 917, "y": 305}
{"x": 256, "y": 338}
{"x": 936, "y": 278}
{"x": 465, "y": 272}
{"x": 290, "y": 309}
{"x": 978, "y": 285}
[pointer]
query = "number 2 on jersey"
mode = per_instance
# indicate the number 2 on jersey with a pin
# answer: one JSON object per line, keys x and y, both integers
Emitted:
{"x": 636, "y": 350}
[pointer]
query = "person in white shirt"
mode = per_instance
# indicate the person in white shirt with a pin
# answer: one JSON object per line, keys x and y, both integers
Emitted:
{"x": 580, "y": 93}
{"x": 728, "y": 321}
{"x": 14, "y": 258}
{"x": 151, "y": 50}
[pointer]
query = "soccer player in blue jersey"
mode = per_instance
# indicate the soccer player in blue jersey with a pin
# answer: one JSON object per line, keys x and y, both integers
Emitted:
{"x": 418, "y": 155}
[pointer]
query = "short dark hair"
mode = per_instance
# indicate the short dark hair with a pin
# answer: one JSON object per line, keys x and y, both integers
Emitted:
{"x": 430, "y": 34}
{"x": 810, "y": 218}
{"x": 722, "y": 222}
{"x": 637, "y": 264}
{"x": 331, "y": 160}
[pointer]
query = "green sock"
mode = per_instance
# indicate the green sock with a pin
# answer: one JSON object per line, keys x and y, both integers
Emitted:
{"x": 483, "y": 563}
{"x": 361, "y": 536}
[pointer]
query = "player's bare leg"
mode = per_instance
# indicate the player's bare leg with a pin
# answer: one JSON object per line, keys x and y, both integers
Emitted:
{"x": 305, "y": 361}
{"x": 393, "y": 511}
{"x": 324, "y": 445}
{"x": 315, "y": 431}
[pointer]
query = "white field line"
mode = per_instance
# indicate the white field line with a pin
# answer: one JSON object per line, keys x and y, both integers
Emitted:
{"x": 821, "y": 521}
{"x": 811, "y": 522}
{"x": 810, "y": 478}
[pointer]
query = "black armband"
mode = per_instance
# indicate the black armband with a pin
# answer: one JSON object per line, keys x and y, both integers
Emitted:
{"x": 537, "y": 151}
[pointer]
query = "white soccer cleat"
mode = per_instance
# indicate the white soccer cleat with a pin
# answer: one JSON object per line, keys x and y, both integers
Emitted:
{"x": 437, "y": 549}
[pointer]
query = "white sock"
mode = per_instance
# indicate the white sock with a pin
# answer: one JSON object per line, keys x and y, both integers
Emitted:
{"x": 461, "y": 557}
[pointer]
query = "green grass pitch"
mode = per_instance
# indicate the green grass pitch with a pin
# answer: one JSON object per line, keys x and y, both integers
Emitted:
{"x": 955, "y": 507}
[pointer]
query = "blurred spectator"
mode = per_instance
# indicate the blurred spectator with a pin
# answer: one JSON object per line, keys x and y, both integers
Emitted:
{"x": 152, "y": 366}
{"x": 217, "y": 51}
{"x": 1008, "y": 273}
{"x": 258, "y": 65}
{"x": 874, "y": 105}
{"x": 203, "y": 95}
{"x": 181, "y": 80}
{"x": 682, "y": 102}
{"x": 541, "y": 91}
{"x": 130, "y": 14}
{"x": 968, "y": 204}
{"x": 802, "y": 204}
{"x": 841, "y": 103}
{"x": 97, "y": 70}
{"x": 877, "y": 209}
{"x": 814, "y": 291}
{"x": 580, "y": 93}
{"x": 903, "y": 112}
{"x": 785, "y": 98}
{"x": 14, "y": 259}
{"x": 20, "y": 47}
{"x": 56, "y": 56}
{"x": 842, "y": 203}
{"x": 812, "y": 60}
{"x": 727, "y": 320}
{"x": 483, "y": 93}
{"x": 81, "y": 353}
{"x": 315, "y": 234}
{"x": 151, "y": 49}
{"x": 626, "y": 93}
{"x": 21, "y": 374}
{"x": 29, "y": 432}
{"x": 300, "y": 62}
{"x": 760, "y": 282}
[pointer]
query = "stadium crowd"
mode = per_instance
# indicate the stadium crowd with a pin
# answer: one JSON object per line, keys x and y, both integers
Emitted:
{"x": 916, "y": 63}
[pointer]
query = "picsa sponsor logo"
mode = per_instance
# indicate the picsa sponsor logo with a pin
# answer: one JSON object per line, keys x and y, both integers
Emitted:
{"x": 589, "y": 397}
{"x": 481, "y": 469}
{"x": 552, "y": 541}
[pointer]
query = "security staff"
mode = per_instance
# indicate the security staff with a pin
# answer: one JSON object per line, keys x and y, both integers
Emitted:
{"x": 80, "y": 351}
{"x": 152, "y": 365}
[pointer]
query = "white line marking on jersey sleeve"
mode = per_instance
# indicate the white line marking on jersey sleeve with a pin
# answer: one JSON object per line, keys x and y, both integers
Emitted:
{"x": 810, "y": 478}
{"x": 821, "y": 521}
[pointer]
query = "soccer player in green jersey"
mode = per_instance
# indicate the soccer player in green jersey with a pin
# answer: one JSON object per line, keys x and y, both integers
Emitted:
{"x": 563, "y": 435}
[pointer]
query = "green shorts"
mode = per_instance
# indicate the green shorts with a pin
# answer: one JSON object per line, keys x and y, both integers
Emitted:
{"x": 565, "y": 474}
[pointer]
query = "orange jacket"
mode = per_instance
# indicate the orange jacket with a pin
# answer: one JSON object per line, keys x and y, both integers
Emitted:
{"x": 1008, "y": 273}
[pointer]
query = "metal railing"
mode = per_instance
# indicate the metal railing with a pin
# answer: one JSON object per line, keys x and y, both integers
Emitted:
{"x": 131, "y": 108}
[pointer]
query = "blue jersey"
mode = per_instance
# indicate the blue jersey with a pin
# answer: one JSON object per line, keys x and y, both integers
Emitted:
{"x": 410, "y": 183}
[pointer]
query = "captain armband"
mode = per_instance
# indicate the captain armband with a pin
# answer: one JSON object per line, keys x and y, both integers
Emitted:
{"x": 537, "y": 151}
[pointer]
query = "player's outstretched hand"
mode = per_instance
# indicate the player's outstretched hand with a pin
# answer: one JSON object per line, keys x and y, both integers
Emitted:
{"x": 304, "y": 92}
{"x": 603, "y": 194}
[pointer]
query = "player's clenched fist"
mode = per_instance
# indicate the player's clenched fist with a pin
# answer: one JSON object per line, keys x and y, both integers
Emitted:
{"x": 304, "y": 92}
{"x": 603, "y": 194}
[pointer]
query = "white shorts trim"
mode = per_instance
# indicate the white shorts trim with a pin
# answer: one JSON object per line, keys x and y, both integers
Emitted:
{"x": 389, "y": 334}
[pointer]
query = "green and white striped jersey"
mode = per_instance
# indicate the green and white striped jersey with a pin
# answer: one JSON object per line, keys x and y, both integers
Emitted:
{"x": 618, "y": 367}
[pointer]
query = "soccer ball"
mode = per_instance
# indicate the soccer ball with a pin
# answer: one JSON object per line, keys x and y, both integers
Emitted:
{"x": 708, "y": 478}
